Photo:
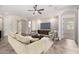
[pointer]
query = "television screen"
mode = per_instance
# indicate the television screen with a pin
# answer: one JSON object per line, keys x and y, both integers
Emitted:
{"x": 45, "y": 26}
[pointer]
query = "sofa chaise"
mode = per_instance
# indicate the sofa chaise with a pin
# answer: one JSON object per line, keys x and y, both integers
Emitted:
{"x": 22, "y": 44}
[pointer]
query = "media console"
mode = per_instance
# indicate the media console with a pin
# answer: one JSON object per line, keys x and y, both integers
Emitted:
{"x": 43, "y": 31}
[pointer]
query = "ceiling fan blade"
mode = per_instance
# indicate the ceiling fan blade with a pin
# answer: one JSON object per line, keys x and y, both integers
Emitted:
{"x": 33, "y": 13}
{"x": 39, "y": 12}
{"x": 40, "y": 9}
{"x": 35, "y": 7}
{"x": 30, "y": 10}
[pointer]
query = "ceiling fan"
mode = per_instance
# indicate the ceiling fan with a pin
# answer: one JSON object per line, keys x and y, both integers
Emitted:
{"x": 36, "y": 10}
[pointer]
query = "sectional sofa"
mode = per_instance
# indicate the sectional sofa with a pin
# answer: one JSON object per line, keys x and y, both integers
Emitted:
{"x": 23, "y": 44}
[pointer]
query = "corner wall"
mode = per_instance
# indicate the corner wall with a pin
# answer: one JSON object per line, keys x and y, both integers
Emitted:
{"x": 10, "y": 23}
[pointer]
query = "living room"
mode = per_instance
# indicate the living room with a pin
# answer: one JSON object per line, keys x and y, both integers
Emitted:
{"x": 36, "y": 29}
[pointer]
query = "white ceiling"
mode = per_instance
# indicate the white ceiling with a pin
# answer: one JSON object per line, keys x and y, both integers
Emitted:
{"x": 22, "y": 10}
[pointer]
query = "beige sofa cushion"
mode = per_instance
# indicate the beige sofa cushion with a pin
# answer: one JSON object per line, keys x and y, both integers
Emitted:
{"x": 34, "y": 39}
{"x": 17, "y": 46}
{"x": 47, "y": 43}
{"x": 33, "y": 48}
{"x": 36, "y": 47}
{"x": 31, "y": 39}
{"x": 13, "y": 35}
{"x": 22, "y": 39}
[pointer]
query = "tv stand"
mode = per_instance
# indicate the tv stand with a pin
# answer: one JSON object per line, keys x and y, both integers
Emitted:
{"x": 43, "y": 31}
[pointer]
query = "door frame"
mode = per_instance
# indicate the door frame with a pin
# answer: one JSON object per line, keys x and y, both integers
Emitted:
{"x": 76, "y": 24}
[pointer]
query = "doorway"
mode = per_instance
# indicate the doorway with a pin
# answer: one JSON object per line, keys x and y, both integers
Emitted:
{"x": 1, "y": 27}
{"x": 68, "y": 25}
{"x": 69, "y": 28}
{"x": 22, "y": 27}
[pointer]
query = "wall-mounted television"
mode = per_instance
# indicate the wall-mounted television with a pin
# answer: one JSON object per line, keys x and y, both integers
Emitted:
{"x": 45, "y": 25}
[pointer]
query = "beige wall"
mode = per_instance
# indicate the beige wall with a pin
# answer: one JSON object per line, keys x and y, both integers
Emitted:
{"x": 0, "y": 23}
{"x": 52, "y": 20}
{"x": 10, "y": 23}
{"x": 69, "y": 13}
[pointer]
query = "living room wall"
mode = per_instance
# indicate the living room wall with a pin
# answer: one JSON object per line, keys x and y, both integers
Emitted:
{"x": 0, "y": 23}
{"x": 10, "y": 23}
{"x": 53, "y": 20}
